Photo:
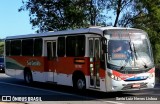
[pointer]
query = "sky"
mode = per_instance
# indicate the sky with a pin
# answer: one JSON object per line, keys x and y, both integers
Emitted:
{"x": 13, "y": 22}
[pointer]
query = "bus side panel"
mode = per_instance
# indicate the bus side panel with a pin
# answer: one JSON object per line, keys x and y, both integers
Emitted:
{"x": 15, "y": 65}
{"x": 64, "y": 67}
{"x": 67, "y": 65}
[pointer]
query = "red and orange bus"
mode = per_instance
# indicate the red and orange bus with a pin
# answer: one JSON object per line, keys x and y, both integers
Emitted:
{"x": 96, "y": 58}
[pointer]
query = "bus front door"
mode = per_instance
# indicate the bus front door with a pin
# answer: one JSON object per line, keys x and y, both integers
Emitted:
{"x": 94, "y": 54}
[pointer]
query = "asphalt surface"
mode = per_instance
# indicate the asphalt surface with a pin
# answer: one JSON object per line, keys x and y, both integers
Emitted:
{"x": 43, "y": 93}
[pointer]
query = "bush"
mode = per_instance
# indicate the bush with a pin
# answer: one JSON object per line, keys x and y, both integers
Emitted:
{"x": 1, "y": 48}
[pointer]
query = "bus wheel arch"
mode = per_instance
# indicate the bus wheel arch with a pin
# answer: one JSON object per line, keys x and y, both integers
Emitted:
{"x": 28, "y": 78}
{"x": 79, "y": 81}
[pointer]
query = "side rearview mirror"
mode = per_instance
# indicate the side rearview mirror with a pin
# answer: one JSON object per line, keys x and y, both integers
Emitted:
{"x": 104, "y": 46}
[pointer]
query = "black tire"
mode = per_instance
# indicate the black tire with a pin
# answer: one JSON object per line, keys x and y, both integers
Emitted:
{"x": 28, "y": 77}
{"x": 79, "y": 83}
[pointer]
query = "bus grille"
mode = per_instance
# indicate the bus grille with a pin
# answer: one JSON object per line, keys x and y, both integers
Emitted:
{"x": 129, "y": 86}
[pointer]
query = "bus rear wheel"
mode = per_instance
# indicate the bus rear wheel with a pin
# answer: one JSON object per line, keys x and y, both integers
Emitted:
{"x": 28, "y": 77}
{"x": 80, "y": 83}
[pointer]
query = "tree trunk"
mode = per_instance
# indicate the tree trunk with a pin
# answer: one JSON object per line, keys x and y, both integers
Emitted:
{"x": 117, "y": 13}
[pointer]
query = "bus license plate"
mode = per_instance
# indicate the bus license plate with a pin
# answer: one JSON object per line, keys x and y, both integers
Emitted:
{"x": 136, "y": 85}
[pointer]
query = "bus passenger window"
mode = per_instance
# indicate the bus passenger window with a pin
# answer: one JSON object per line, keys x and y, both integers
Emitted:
{"x": 49, "y": 51}
{"x": 54, "y": 49}
{"x": 16, "y": 47}
{"x": 61, "y": 47}
{"x": 38, "y": 47}
{"x": 27, "y": 47}
{"x": 7, "y": 48}
{"x": 75, "y": 46}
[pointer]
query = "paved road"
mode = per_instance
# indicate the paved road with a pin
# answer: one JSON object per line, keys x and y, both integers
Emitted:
{"x": 66, "y": 95}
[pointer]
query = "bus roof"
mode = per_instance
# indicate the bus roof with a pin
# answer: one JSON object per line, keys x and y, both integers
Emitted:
{"x": 95, "y": 30}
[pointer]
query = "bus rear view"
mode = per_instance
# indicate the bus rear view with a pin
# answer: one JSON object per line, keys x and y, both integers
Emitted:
{"x": 129, "y": 64}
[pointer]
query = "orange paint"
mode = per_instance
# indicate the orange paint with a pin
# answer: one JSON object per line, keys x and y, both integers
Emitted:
{"x": 65, "y": 65}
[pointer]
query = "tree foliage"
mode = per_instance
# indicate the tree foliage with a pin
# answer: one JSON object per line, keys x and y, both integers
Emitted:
{"x": 49, "y": 15}
{"x": 143, "y": 14}
{"x": 118, "y": 7}
{"x": 148, "y": 20}
{"x": 1, "y": 48}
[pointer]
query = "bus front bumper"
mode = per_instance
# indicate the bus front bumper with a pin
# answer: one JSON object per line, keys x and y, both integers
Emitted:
{"x": 131, "y": 85}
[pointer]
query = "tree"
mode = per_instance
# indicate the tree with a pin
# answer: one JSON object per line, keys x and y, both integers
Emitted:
{"x": 149, "y": 21}
{"x": 119, "y": 7}
{"x": 49, "y": 15}
{"x": 96, "y": 12}
{"x": 143, "y": 14}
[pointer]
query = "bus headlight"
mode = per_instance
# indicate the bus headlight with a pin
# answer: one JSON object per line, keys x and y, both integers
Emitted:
{"x": 151, "y": 75}
{"x": 115, "y": 78}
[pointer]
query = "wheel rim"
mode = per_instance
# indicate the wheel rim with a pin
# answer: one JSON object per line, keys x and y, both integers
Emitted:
{"x": 80, "y": 84}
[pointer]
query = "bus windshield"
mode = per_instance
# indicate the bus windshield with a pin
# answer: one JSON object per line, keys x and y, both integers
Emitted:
{"x": 129, "y": 50}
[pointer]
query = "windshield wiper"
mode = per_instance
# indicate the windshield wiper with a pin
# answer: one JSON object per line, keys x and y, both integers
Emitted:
{"x": 145, "y": 66}
{"x": 127, "y": 60}
{"x": 134, "y": 50}
{"x": 122, "y": 67}
{"x": 135, "y": 54}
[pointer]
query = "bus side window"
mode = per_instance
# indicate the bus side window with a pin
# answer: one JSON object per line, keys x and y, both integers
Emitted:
{"x": 27, "y": 47}
{"x": 16, "y": 47}
{"x": 61, "y": 47}
{"x": 54, "y": 49}
{"x": 7, "y": 48}
{"x": 75, "y": 46}
{"x": 49, "y": 51}
{"x": 38, "y": 47}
